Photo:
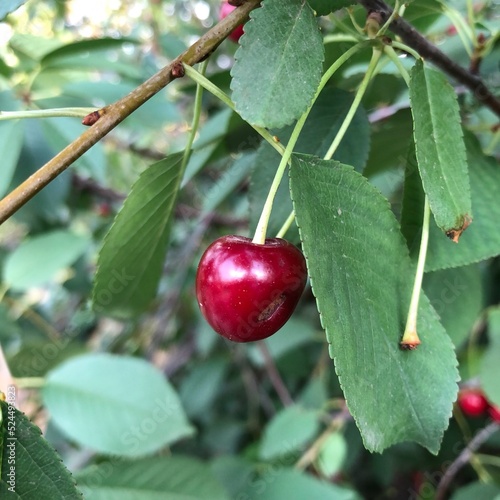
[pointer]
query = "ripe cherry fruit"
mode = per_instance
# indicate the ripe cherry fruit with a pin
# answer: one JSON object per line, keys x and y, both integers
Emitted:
{"x": 472, "y": 402}
{"x": 247, "y": 291}
{"x": 226, "y": 9}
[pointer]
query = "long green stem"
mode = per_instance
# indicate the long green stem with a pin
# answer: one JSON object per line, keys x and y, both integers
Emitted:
{"x": 464, "y": 32}
{"x": 355, "y": 103}
{"x": 298, "y": 127}
{"x": 410, "y": 338}
{"x": 286, "y": 226}
{"x": 261, "y": 229}
{"x": 406, "y": 48}
{"x": 217, "y": 92}
{"x": 196, "y": 118}
{"x": 46, "y": 113}
{"x": 391, "y": 53}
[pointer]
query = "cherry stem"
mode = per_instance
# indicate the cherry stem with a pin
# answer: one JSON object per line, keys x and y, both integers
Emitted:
{"x": 405, "y": 48}
{"x": 391, "y": 53}
{"x": 261, "y": 230}
{"x": 266, "y": 212}
{"x": 217, "y": 92}
{"x": 355, "y": 103}
{"x": 46, "y": 113}
{"x": 286, "y": 226}
{"x": 196, "y": 119}
{"x": 463, "y": 30}
{"x": 410, "y": 338}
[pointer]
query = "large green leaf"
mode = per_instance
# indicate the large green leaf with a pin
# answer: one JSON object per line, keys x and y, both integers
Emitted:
{"x": 37, "y": 260}
{"x": 59, "y": 132}
{"x": 281, "y": 483}
{"x": 85, "y": 47}
{"x": 30, "y": 469}
{"x": 482, "y": 239}
{"x": 117, "y": 405}
{"x": 159, "y": 478}
{"x": 288, "y": 432}
{"x": 320, "y": 129}
{"x": 131, "y": 259}
{"x": 324, "y": 7}
{"x": 362, "y": 278}
{"x": 278, "y": 65}
{"x": 440, "y": 149}
{"x": 490, "y": 367}
{"x": 11, "y": 142}
{"x": 457, "y": 296}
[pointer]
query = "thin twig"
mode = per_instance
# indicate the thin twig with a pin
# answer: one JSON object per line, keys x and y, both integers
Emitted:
{"x": 113, "y": 114}
{"x": 427, "y": 50}
{"x": 274, "y": 375}
{"x": 312, "y": 453}
{"x": 464, "y": 458}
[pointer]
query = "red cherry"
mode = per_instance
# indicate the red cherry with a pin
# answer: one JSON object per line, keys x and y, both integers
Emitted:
{"x": 494, "y": 412}
{"x": 248, "y": 291}
{"x": 472, "y": 402}
{"x": 225, "y": 9}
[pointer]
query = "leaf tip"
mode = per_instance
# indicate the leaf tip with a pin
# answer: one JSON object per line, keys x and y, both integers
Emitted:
{"x": 455, "y": 233}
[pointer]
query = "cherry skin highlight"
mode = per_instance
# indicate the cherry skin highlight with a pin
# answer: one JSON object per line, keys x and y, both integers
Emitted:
{"x": 248, "y": 291}
{"x": 226, "y": 9}
{"x": 472, "y": 403}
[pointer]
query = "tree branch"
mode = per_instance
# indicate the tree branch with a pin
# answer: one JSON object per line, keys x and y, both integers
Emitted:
{"x": 482, "y": 436}
{"x": 427, "y": 50}
{"x": 113, "y": 114}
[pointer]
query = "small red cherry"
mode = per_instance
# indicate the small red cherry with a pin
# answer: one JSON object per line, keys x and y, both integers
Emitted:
{"x": 494, "y": 412}
{"x": 248, "y": 291}
{"x": 472, "y": 402}
{"x": 226, "y": 9}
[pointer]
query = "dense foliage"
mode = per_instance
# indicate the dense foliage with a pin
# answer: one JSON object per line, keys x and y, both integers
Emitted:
{"x": 371, "y": 150}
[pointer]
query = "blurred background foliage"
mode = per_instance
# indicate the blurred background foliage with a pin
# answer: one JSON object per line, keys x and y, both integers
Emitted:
{"x": 244, "y": 437}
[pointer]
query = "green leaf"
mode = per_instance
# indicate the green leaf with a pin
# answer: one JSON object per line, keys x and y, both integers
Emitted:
{"x": 59, "y": 132}
{"x": 324, "y": 7}
{"x": 11, "y": 142}
{"x": 8, "y": 6}
{"x": 477, "y": 490}
{"x": 278, "y": 484}
{"x": 30, "y": 469}
{"x": 332, "y": 454}
{"x": 489, "y": 372}
{"x": 32, "y": 46}
{"x": 482, "y": 239}
{"x": 362, "y": 278}
{"x": 321, "y": 127}
{"x": 85, "y": 47}
{"x": 200, "y": 388}
{"x": 440, "y": 149}
{"x": 278, "y": 64}
{"x": 457, "y": 297}
{"x": 390, "y": 139}
{"x": 158, "y": 478}
{"x": 288, "y": 432}
{"x": 294, "y": 334}
{"x": 114, "y": 404}
{"x": 47, "y": 205}
{"x": 37, "y": 260}
{"x": 131, "y": 260}
{"x": 228, "y": 183}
